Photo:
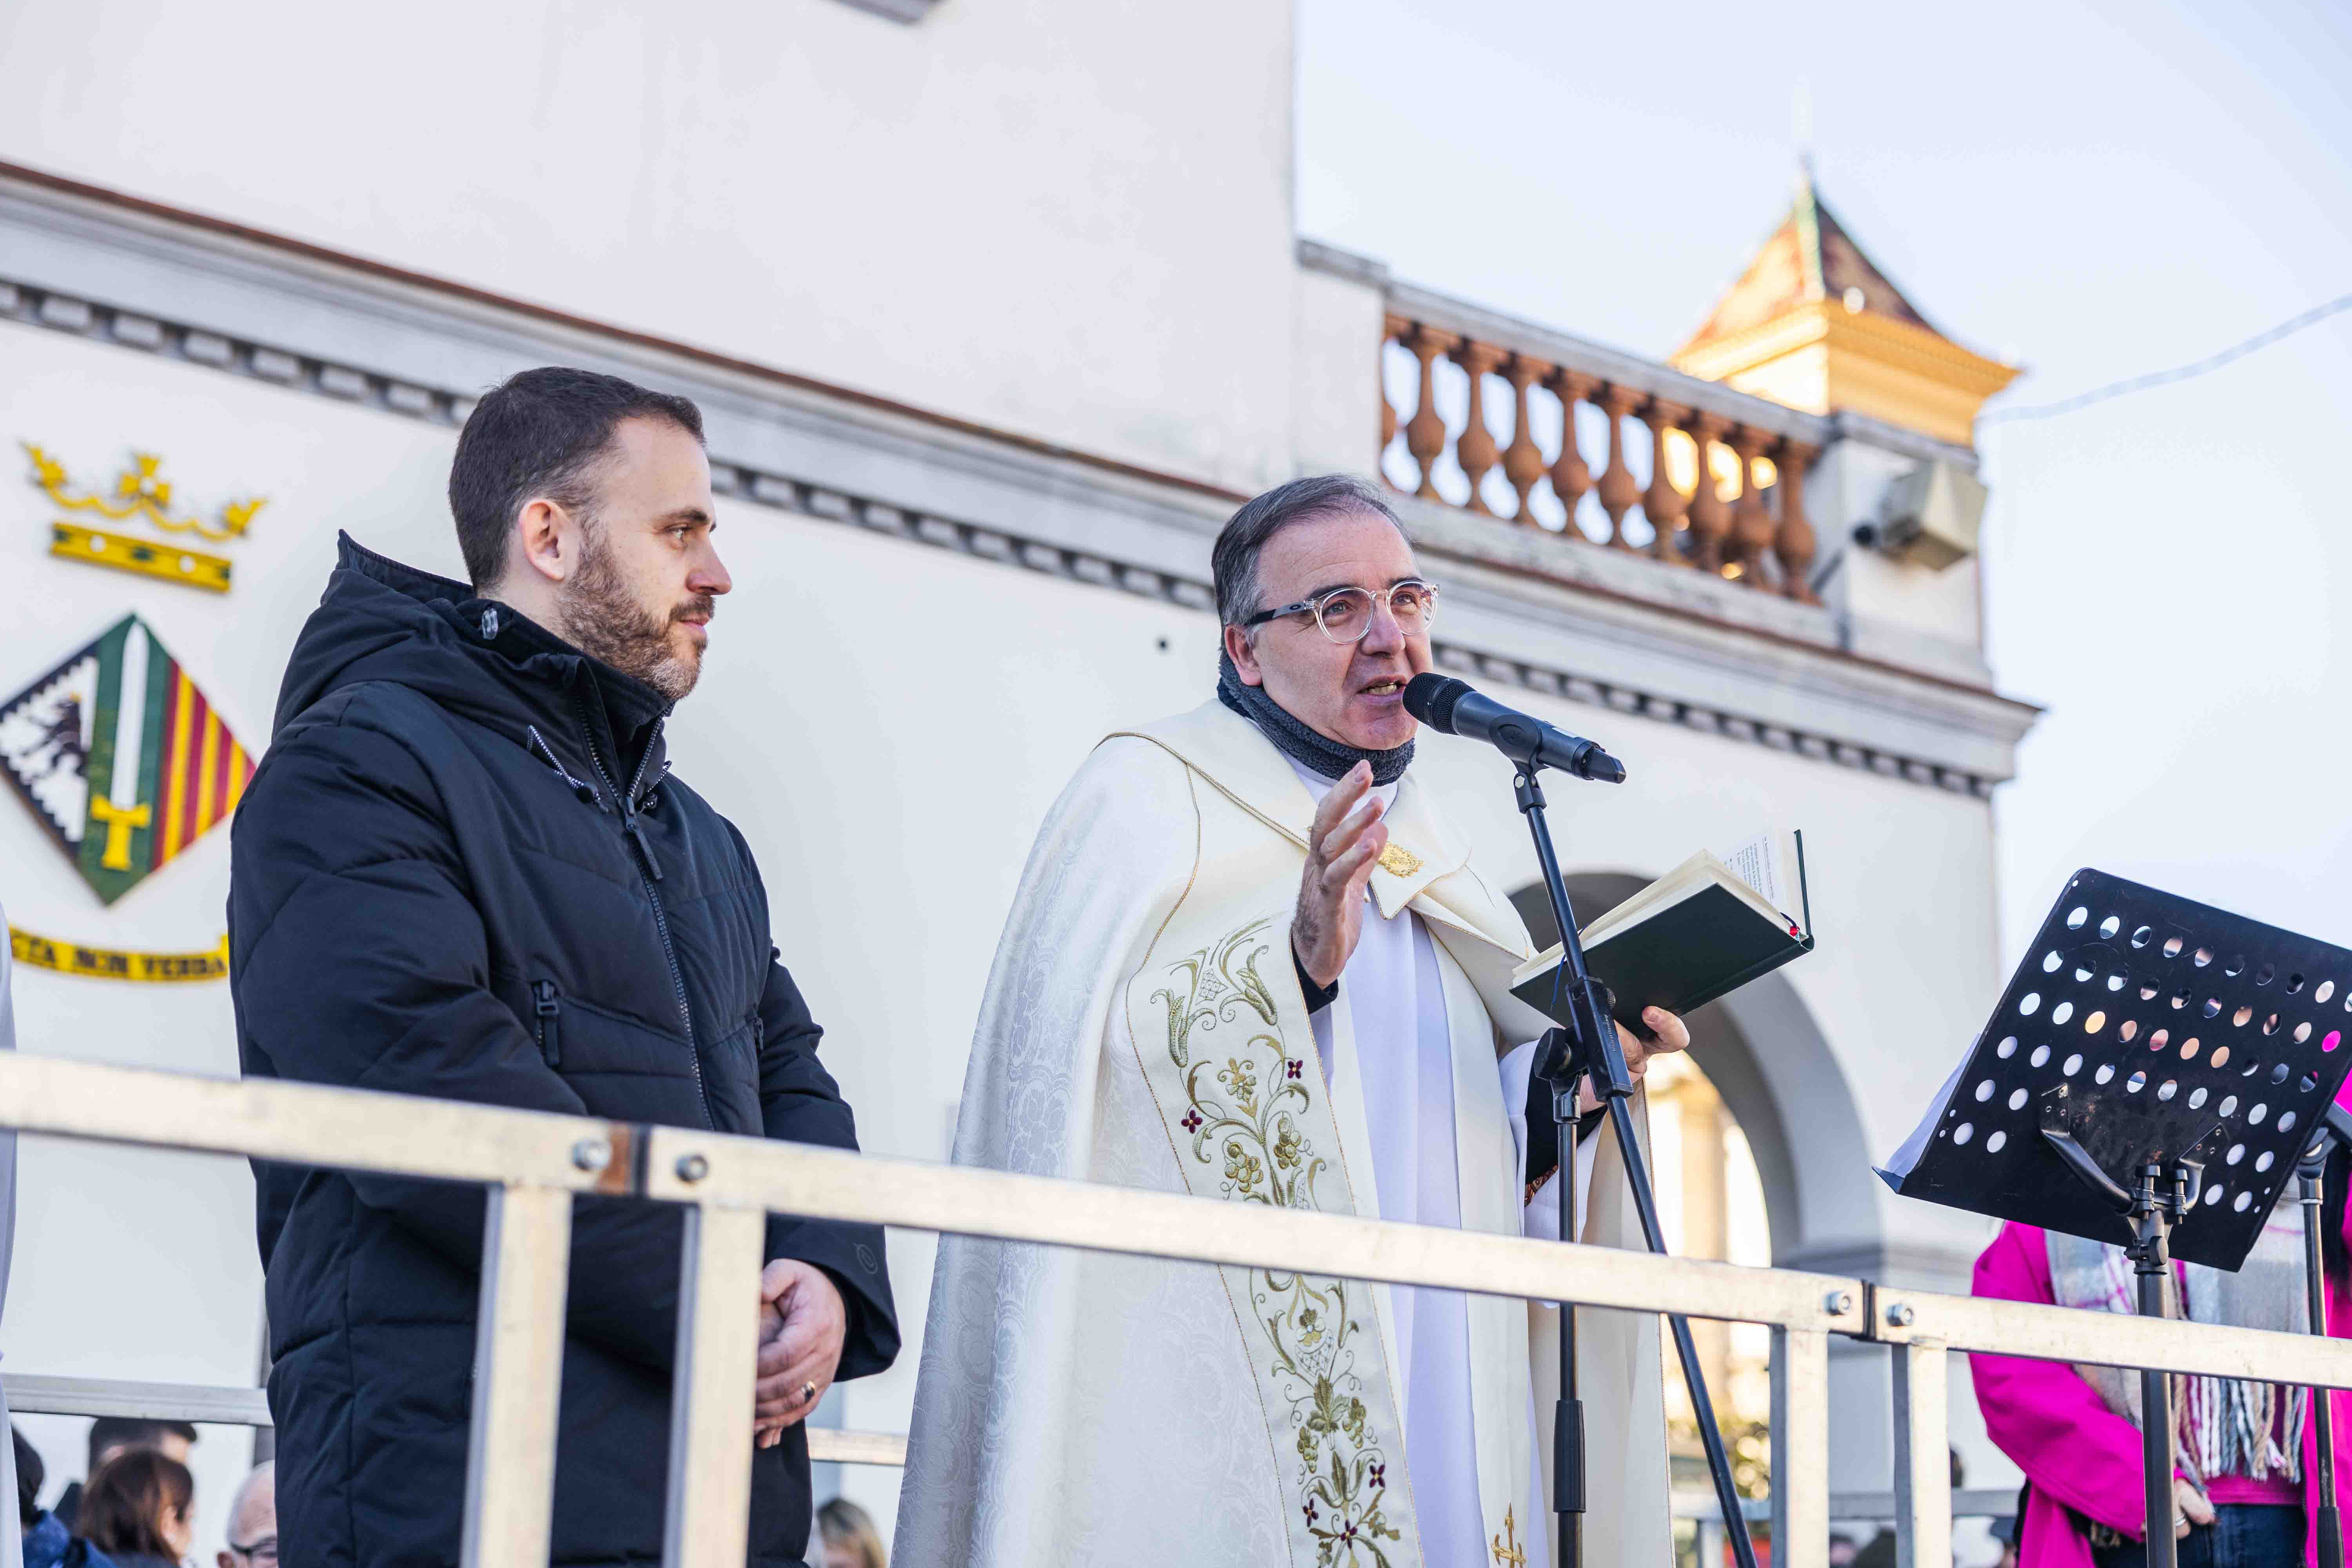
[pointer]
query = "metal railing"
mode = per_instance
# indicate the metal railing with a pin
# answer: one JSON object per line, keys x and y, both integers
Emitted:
{"x": 30, "y": 1394}
{"x": 534, "y": 1163}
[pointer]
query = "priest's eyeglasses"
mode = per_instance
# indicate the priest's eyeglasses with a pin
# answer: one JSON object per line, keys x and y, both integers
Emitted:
{"x": 1346, "y": 614}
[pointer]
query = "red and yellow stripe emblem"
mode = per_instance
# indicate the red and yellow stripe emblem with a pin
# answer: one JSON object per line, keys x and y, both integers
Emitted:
{"x": 204, "y": 769}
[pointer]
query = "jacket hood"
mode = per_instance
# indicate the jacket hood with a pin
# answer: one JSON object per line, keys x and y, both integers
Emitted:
{"x": 483, "y": 660}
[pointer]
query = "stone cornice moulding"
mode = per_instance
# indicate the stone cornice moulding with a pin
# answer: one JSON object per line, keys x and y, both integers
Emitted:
{"x": 396, "y": 346}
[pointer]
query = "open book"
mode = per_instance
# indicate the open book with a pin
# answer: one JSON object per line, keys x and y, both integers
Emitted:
{"x": 1706, "y": 928}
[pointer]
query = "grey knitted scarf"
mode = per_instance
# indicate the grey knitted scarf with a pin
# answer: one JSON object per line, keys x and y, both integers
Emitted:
{"x": 1310, "y": 747}
{"x": 2224, "y": 1427}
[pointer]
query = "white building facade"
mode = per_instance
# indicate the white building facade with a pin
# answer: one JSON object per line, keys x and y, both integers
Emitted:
{"x": 994, "y": 313}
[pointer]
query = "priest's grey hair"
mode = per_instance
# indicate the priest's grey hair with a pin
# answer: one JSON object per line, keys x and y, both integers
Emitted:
{"x": 1232, "y": 561}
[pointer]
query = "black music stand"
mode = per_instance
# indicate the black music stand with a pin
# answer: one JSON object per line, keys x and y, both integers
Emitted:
{"x": 2151, "y": 1075}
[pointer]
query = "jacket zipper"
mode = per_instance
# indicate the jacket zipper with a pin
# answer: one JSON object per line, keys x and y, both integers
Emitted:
{"x": 547, "y": 1003}
{"x": 648, "y": 873}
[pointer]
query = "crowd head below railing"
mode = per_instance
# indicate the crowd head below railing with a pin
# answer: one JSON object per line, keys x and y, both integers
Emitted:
{"x": 1747, "y": 524}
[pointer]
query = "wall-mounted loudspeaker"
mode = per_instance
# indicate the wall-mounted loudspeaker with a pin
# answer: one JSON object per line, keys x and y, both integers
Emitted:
{"x": 1929, "y": 516}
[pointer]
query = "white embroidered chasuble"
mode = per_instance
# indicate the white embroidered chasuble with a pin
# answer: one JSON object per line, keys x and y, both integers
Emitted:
{"x": 1144, "y": 1026}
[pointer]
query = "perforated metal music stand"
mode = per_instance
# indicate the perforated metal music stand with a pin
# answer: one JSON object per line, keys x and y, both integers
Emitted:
{"x": 2178, "y": 1033}
{"x": 2153, "y": 1070}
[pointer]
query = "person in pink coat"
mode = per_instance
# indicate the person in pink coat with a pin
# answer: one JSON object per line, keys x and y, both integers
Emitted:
{"x": 2085, "y": 1506}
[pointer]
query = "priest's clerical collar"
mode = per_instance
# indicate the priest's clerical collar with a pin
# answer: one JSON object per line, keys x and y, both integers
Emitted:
{"x": 1308, "y": 747}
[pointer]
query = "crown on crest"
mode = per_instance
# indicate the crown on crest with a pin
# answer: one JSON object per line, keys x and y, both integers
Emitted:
{"x": 139, "y": 493}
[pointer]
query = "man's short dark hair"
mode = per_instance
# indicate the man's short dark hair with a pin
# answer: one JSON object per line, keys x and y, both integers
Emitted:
{"x": 1233, "y": 560}
{"x": 539, "y": 433}
{"x": 130, "y": 1432}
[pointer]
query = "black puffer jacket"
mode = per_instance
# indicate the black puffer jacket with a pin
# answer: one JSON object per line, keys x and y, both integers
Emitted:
{"x": 462, "y": 870}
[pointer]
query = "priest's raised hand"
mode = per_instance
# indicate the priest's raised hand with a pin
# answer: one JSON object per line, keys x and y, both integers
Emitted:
{"x": 1342, "y": 846}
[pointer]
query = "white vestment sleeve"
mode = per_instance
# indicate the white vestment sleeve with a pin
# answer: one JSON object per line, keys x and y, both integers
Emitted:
{"x": 1542, "y": 1217}
{"x": 1061, "y": 1395}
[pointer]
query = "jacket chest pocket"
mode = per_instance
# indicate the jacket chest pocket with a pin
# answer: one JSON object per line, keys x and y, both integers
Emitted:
{"x": 589, "y": 1044}
{"x": 731, "y": 1068}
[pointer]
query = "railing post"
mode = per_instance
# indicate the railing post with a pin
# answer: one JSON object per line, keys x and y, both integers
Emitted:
{"x": 1424, "y": 432}
{"x": 709, "y": 1519}
{"x": 1617, "y": 490}
{"x": 1523, "y": 462}
{"x": 518, "y": 1375}
{"x": 1923, "y": 1457}
{"x": 1710, "y": 514}
{"x": 1801, "y": 1449}
{"x": 1663, "y": 505}
{"x": 1475, "y": 448}
{"x": 1793, "y": 539}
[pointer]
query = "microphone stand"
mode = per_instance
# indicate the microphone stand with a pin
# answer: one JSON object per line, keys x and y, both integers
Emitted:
{"x": 1589, "y": 1047}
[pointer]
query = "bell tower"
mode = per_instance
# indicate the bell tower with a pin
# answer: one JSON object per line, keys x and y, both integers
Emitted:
{"x": 1813, "y": 323}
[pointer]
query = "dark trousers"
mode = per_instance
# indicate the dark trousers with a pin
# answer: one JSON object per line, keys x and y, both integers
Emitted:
{"x": 2243, "y": 1535}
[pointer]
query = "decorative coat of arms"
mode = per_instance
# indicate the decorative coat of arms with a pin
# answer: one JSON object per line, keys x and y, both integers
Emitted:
{"x": 122, "y": 757}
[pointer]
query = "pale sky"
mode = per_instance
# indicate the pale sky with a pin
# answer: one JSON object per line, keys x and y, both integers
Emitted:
{"x": 2098, "y": 189}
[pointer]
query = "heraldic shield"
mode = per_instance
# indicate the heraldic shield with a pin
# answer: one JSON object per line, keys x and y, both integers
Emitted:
{"x": 122, "y": 757}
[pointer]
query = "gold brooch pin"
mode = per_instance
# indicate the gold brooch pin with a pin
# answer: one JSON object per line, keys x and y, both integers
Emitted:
{"x": 1399, "y": 861}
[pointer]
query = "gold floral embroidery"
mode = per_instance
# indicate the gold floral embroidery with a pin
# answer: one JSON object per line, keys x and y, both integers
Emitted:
{"x": 1243, "y": 1119}
{"x": 1214, "y": 989}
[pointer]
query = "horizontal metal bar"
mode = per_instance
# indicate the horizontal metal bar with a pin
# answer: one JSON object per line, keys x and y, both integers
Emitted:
{"x": 691, "y": 1166}
{"x": 31, "y": 1393}
{"x": 2112, "y": 1339}
{"x": 687, "y": 1165}
{"x": 357, "y": 1130}
{"x": 309, "y": 1124}
{"x": 830, "y": 1444}
{"x": 1850, "y": 1508}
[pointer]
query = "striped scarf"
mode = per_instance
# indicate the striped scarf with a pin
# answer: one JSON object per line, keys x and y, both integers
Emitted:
{"x": 2223, "y": 1427}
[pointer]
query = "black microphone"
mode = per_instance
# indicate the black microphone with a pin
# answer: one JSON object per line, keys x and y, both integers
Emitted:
{"x": 1450, "y": 707}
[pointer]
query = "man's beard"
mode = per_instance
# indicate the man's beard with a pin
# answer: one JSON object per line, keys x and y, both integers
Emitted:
{"x": 602, "y": 619}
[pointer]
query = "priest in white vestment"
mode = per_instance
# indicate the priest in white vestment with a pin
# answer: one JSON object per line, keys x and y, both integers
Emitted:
{"x": 1250, "y": 960}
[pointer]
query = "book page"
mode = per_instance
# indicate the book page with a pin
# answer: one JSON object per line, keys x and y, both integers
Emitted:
{"x": 1758, "y": 864}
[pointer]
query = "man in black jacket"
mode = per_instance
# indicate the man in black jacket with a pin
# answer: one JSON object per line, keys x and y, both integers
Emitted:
{"x": 464, "y": 870}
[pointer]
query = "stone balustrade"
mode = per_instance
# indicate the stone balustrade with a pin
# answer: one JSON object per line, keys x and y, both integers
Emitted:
{"x": 1538, "y": 429}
